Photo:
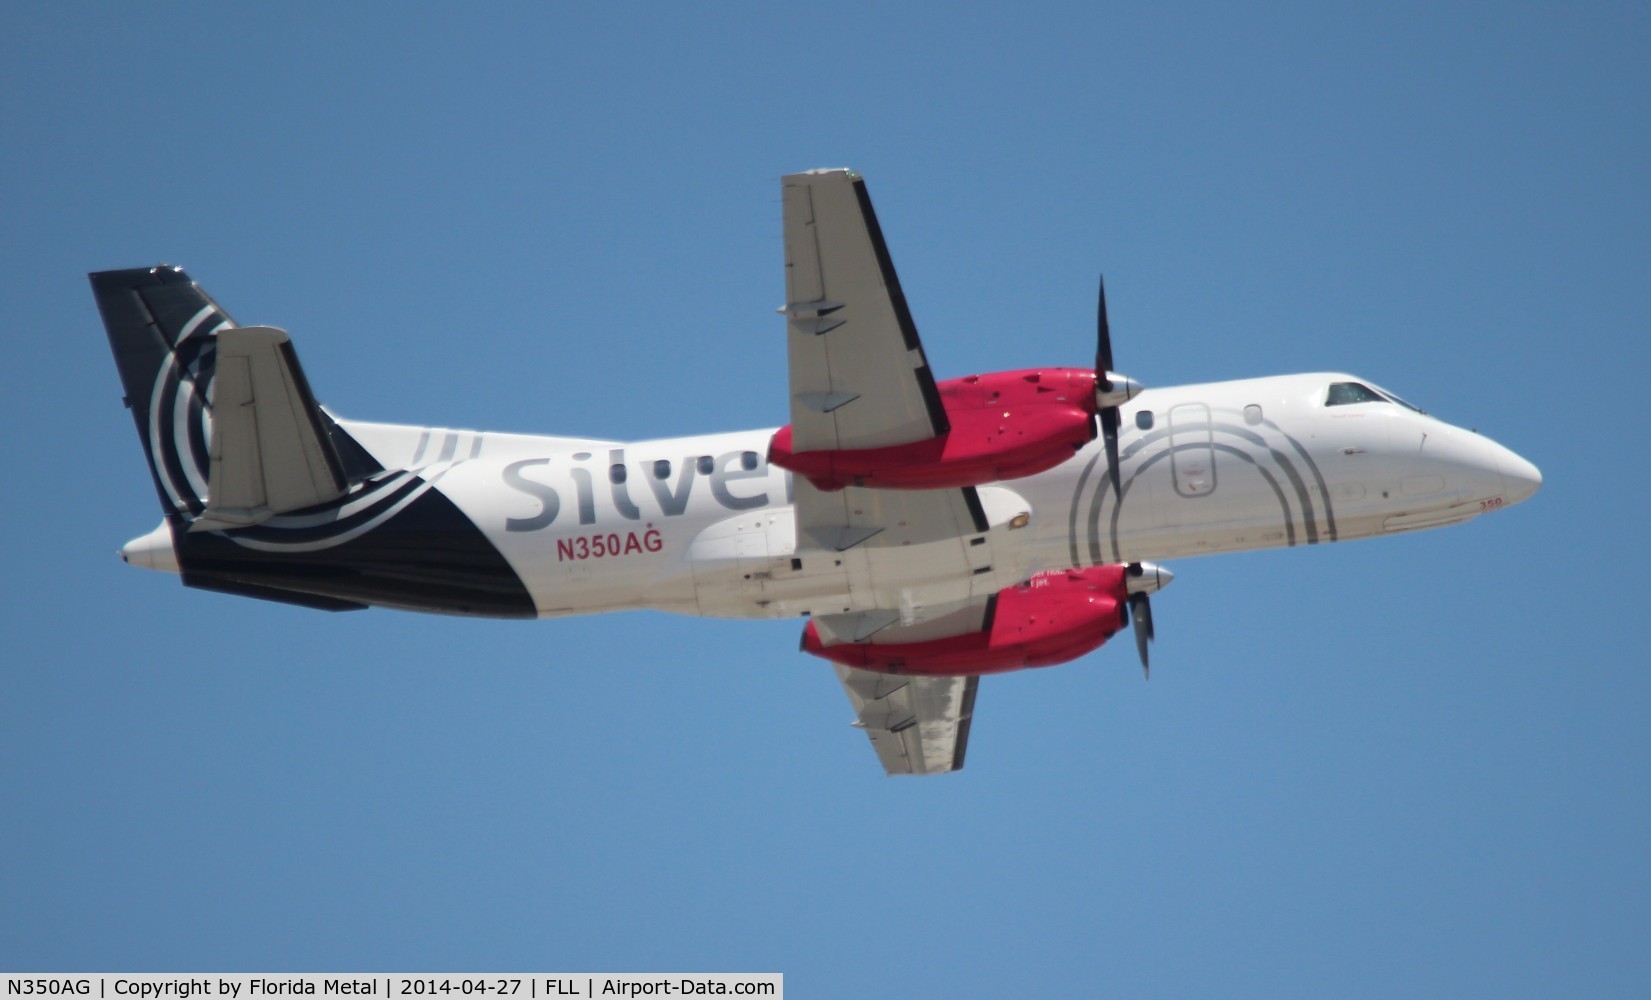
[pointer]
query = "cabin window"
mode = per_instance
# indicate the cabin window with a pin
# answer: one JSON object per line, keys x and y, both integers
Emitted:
{"x": 616, "y": 472}
{"x": 705, "y": 464}
{"x": 748, "y": 460}
{"x": 1343, "y": 393}
{"x": 662, "y": 469}
{"x": 1143, "y": 420}
{"x": 1252, "y": 414}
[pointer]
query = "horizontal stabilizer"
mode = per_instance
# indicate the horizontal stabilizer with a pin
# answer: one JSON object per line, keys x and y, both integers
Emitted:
{"x": 269, "y": 449}
{"x": 319, "y": 602}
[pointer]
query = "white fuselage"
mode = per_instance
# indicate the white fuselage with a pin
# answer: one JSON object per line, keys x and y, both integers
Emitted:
{"x": 705, "y": 525}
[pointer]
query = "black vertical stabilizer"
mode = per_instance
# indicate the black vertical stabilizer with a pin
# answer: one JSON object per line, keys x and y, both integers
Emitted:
{"x": 391, "y": 539}
{"x": 148, "y": 313}
{"x": 163, "y": 329}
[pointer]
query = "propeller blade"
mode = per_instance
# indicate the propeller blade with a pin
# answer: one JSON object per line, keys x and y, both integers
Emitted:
{"x": 1103, "y": 382}
{"x": 1109, "y": 432}
{"x": 1140, "y": 610}
{"x": 1103, "y": 340}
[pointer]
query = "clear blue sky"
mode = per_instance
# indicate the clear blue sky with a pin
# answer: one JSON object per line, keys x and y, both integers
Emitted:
{"x": 1419, "y": 765}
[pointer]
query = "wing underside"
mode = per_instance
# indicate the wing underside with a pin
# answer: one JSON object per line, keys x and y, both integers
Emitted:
{"x": 859, "y": 380}
{"x": 917, "y": 725}
{"x": 858, "y": 374}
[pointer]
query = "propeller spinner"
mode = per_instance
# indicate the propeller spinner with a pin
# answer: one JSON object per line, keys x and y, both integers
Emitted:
{"x": 1141, "y": 579}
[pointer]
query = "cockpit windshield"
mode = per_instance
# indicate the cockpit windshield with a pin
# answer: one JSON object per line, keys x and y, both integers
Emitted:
{"x": 1408, "y": 406}
{"x": 1344, "y": 393}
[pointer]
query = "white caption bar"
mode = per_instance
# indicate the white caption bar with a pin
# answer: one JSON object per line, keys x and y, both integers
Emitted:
{"x": 391, "y": 986}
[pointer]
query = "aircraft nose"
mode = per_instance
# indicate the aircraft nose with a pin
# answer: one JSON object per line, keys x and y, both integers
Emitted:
{"x": 1520, "y": 478}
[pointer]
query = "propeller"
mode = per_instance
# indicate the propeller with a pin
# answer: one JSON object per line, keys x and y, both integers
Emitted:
{"x": 1141, "y": 579}
{"x": 1140, "y": 613}
{"x": 1111, "y": 391}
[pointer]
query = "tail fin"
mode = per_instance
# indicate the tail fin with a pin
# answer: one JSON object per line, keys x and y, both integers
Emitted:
{"x": 162, "y": 328}
{"x": 272, "y": 450}
{"x": 266, "y": 495}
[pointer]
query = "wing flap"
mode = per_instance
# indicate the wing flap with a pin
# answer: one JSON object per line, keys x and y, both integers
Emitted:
{"x": 917, "y": 725}
{"x": 269, "y": 449}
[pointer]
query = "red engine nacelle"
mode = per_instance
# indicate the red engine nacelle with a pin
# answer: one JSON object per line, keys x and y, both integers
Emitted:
{"x": 1050, "y": 619}
{"x": 1006, "y": 425}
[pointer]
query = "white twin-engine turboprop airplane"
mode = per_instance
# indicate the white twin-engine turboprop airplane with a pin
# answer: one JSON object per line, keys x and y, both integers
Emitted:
{"x": 931, "y": 532}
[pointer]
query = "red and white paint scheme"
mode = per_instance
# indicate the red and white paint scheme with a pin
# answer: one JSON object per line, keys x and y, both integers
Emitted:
{"x": 929, "y": 531}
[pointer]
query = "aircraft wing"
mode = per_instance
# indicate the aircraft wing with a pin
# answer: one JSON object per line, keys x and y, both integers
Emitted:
{"x": 883, "y": 518}
{"x": 858, "y": 375}
{"x": 859, "y": 379}
{"x": 917, "y": 725}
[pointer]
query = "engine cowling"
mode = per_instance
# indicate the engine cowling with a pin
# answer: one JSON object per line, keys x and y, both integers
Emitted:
{"x": 1006, "y": 425}
{"x": 1049, "y": 619}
